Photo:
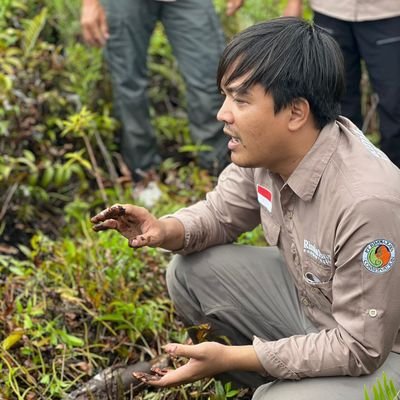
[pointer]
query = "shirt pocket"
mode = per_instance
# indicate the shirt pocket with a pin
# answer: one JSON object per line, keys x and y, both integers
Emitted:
{"x": 270, "y": 227}
{"x": 317, "y": 280}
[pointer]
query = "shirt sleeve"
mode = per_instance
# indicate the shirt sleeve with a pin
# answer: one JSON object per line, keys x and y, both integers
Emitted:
{"x": 229, "y": 210}
{"x": 365, "y": 301}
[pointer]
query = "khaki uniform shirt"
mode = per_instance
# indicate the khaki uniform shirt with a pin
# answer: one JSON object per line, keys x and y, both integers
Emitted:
{"x": 336, "y": 221}
{"x": 357, "y": 10}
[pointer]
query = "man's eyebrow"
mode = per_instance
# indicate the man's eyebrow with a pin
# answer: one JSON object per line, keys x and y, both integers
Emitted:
{"x": 240, "y": 90}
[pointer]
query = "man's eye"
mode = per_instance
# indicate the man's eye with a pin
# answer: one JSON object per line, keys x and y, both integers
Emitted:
{"x": 239, "y": 101}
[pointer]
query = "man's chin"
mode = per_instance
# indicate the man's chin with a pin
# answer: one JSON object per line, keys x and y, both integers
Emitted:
{"x": 240, "y": 162}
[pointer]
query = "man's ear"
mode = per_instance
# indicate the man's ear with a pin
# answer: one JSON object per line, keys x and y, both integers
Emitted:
{"x": 299, "y": 114}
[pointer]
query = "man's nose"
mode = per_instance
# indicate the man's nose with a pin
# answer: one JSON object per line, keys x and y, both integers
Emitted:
{"x": 224, "y": 114}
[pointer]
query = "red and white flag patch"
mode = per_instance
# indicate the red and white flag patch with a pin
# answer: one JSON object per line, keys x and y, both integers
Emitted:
{"x": 264, "y": 197}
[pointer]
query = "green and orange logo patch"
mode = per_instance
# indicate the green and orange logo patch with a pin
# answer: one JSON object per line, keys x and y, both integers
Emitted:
{"x": 378, "y": 256}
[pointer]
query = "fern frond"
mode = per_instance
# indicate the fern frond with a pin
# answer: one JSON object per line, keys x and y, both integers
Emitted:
{"x": 32, "y": 31}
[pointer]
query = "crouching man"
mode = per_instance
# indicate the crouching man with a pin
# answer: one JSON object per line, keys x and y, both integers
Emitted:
{"x": 317, "y": 312}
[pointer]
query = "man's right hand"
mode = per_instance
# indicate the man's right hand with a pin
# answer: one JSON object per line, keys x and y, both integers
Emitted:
{"x": 94, "y": 23}
{"x": 135, "y": 223}
{"x": 140, "y": 227}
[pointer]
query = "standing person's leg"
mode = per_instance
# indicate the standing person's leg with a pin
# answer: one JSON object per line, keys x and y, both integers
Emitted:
{"x": 240, "y": 291}
{"x": 342, "y": 32}
{"x": 330, "y": 388}
{"x": 197, "y": 40}
{"x": 379, "y": 43}
{"x": 131, "y": 24}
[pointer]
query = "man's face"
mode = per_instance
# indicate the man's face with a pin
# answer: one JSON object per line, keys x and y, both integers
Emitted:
{"x": 259, "y": 137}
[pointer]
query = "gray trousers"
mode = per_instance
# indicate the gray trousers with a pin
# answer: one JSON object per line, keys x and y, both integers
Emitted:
{"x": 243, "y": 291}
{"x": 194, "y": 32}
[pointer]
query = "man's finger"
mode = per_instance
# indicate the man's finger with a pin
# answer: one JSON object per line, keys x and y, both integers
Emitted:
{"x": 174, "y": 377}
{"x": 140, "y": 241}
{"x": 104, "y": 27}
{"x": 108, "y": 224}
{"x": 97, "y": 35}
{"x": 182, "y": 350}
{"x": 160, "y": 371}
{"x": 146, "y": 378}
{"x": 112, "y": 212}
{"x": 87, "y": 35}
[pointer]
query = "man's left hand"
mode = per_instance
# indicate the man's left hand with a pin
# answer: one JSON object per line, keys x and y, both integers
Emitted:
{"x": 205, "y": 360}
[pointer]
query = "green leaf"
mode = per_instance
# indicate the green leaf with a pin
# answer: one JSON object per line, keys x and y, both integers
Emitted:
{"x": 13, "y": 338}
{"x": 71, "y": 340}
{"x": 219, "y": 391}
{"x": 28, "y": 324}
{"x": 232, "y": 393}
{"x": 45, "y": 379}
{"x": 366, "y": 395}
{"x": 5, "y": 84}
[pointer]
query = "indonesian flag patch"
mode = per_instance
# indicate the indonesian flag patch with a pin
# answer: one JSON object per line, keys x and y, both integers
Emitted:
{"x": 264, "y": 197}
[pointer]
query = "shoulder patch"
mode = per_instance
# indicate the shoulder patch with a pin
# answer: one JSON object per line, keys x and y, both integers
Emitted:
{"x": 378, "y": 256}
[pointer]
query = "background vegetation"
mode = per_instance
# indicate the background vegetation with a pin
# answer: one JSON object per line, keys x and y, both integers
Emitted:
{"x": 73, "y": 302}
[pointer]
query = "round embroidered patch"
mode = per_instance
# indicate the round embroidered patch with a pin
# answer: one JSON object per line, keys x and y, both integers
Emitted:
{"x": 378, "y": 256}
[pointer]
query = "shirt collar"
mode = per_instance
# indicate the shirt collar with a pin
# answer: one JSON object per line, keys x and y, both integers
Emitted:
{"x": 305, "y": 178}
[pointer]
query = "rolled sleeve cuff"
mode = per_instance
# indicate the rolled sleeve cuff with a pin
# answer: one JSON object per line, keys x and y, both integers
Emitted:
{"x": 272, "y": 364}
{"x": 186, "y": 225}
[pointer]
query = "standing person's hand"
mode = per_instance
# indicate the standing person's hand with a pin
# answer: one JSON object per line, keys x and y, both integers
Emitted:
{"x": 135, "y": 223}
{"x": 294, "y": 8}
{"x": 94, "y": 23}
{"x": 232, "y": 6}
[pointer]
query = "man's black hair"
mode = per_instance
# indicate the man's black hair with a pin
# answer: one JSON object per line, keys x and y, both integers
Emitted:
{"x": 291, "y": 58}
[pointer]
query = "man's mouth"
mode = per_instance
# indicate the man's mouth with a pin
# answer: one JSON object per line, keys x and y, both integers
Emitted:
{"x": 235, "y": 140}
{"x": 232, "y": 137}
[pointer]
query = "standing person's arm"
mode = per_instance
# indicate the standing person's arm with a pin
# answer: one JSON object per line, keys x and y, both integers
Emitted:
{"x": 94, "y": 23}
{"x": 294, "y": 8}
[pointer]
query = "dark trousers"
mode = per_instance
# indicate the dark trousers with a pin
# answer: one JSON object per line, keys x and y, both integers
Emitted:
{"x": 378, "y": 44}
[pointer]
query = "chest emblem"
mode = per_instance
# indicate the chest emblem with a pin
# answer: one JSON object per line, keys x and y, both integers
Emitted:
{"x": 264, "y": 197}
{"x": 378, "y": 256}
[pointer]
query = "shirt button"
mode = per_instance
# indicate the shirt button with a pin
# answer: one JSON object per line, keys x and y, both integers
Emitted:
{"x": 372, "y": 313}
{"x": 305, "y": 301}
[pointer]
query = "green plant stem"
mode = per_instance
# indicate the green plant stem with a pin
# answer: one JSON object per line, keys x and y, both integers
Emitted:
{"x": 9, "y": 194}
{"x": 110, "y": 166}
{"x": 95, "y": 169}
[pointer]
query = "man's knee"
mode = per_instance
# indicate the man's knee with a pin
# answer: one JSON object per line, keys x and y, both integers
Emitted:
{"x": 289, "y": 390}
{"x": 189, "y": 270}
{"x": 181, "y": 274}
{"x": 181, "y": 278}
{"x": 346, "y": 387}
